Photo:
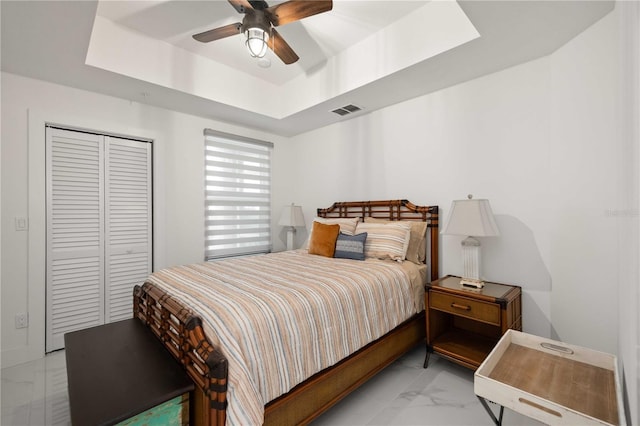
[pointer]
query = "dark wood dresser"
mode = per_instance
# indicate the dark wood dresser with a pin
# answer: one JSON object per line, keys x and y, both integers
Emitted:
{"x": 120, "y": 373}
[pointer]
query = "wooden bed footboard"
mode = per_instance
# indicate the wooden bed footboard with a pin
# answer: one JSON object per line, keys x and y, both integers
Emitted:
{"x": 180, "y": 330}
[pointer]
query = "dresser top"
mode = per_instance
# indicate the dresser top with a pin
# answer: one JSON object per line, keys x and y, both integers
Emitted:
{"x": 491, "y": 290}
{"x": 118, "y": 370}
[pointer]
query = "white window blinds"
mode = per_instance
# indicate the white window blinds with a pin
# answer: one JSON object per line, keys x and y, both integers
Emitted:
{"x": 237, "y": 195}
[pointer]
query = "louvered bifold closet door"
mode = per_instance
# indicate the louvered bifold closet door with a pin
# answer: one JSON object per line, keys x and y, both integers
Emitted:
{"x": 99, "y": 229}
{"x": 75, "y": 237}
{"x": 128, "y": 223}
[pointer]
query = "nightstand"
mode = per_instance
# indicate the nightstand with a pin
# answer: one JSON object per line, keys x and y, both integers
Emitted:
{"x": 464, "y": 324}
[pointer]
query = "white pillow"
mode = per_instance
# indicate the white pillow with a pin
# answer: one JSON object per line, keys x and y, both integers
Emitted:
{"x": 416, "y": 252}
{"x": 347, "y": 226}
{"x": 385, "y": 241}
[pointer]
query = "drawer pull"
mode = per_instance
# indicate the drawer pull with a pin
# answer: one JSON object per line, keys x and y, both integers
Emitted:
{"x": 463, "y": 307}
{"x": 540, "y": 407}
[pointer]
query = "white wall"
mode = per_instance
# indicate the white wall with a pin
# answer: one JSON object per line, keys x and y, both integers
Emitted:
{"x": 537, "y": 140}
{"x": 587, "y": 152}
{"x": 488, "y": 137}
{"x": 542, "y": 142}
{"x": 629, "y": 202}
{"x": 178, "y": 188}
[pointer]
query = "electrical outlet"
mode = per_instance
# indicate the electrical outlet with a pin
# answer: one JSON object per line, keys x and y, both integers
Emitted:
{"x": 22, "y": 320}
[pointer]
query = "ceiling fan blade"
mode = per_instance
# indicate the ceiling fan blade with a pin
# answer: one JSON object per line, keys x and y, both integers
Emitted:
{"x": 241, "y": 5}
{"x": 218, "y": 33}
{"x": 281, "y": 48}
{"x": 295, "y": 10}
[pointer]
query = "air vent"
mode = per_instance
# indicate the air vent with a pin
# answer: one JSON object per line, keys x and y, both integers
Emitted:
{"x": 347, "y": 109}
{"x": 351, "y": 108}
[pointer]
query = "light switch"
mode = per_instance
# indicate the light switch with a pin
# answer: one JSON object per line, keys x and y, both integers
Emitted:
{"x": 21, "y": 223}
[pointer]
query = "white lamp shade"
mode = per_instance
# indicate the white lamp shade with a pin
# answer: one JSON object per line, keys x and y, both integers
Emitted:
{"x": 471, "y": 218}
{"x": 292, "y": 216}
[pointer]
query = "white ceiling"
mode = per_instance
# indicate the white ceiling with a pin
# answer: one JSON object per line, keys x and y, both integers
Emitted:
{"x": 175, "y": 22}
{"x": 369, "y": 53}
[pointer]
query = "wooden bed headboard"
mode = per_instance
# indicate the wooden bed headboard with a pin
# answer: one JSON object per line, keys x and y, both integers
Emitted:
{"x": 393, "y": 210}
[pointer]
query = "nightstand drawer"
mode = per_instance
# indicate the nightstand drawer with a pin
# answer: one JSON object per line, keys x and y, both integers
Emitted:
{"x": 463, "y": 307}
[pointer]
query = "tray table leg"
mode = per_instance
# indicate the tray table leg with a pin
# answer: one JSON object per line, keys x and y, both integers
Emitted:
{"x": 497, "y": 421}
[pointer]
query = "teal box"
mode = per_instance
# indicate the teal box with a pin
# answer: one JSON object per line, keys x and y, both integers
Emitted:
{"x": 174, "y": 412}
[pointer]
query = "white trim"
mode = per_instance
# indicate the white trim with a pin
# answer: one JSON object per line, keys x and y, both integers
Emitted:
{"x": 36, "y": 299}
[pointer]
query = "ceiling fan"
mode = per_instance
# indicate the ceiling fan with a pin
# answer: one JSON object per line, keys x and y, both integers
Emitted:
{"x": 259, "y": 22}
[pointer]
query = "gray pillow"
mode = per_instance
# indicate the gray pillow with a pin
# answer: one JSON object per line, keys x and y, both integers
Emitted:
{"x": 350, "y": 246}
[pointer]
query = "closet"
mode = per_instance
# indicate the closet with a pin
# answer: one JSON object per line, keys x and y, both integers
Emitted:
{"x": 99, "y": 228}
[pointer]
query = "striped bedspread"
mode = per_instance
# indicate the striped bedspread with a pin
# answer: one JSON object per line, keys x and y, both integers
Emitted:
{"x": 282, "y": 317}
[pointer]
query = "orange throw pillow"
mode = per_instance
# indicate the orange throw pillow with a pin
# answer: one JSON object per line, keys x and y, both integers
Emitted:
{"x": 323, "y": 239}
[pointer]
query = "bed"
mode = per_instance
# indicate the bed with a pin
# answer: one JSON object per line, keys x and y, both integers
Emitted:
{"x": 175, "y": 318}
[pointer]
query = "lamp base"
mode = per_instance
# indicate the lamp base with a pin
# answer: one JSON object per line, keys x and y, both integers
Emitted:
{"x": 291, "y": 232}
{"x": 471, "y": 263}
{"x": 469, "y": 282}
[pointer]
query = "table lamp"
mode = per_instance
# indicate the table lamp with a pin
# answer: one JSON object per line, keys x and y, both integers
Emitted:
{"x": 291, "y": 217}
{"x": 471, "y": 218}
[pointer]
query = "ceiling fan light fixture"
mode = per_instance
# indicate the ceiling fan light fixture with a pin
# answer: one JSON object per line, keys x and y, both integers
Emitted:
{"x": 257, "y": 41}
{"x": 259, "y": 22}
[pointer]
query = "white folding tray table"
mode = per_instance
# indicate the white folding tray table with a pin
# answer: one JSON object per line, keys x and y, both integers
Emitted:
{"x": 550, "y": 381}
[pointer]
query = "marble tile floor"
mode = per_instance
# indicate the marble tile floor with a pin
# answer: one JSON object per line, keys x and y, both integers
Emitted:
{"x": 35, "y": 393}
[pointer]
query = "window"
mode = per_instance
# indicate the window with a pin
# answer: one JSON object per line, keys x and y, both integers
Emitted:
{"x": 237, "y": 195}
